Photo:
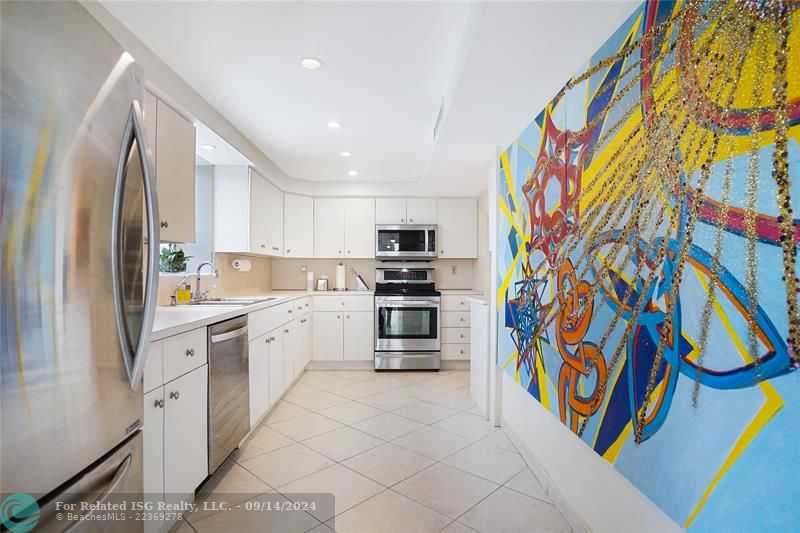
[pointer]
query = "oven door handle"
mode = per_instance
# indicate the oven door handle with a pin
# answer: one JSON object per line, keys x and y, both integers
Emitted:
{"x": 432, "y": 305}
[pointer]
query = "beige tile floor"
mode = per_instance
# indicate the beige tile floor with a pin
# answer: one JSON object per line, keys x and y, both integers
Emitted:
{"x": 401, "y": 452}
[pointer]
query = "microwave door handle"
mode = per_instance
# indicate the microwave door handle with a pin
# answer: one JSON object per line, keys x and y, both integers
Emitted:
{"x": 134, "y": 357}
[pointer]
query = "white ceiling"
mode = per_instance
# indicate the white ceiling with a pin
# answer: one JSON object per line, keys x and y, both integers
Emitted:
{"x": 388, "y": 67}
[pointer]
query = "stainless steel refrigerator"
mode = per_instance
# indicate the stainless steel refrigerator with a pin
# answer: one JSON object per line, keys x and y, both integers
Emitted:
{"x": 78, "y": 258}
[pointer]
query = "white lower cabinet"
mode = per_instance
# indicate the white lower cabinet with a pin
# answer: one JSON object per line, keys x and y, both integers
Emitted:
{"x": 343, "y": 335}
{"x": 289, "y": 341}
{"x": 304, "y": 355}
{"x": 258, "y": 368}
{"x": 328, "y": 336}
{"x": 275, "y": 365}
{"x": 358, "y": 335}
{"x": 175, "y": 440}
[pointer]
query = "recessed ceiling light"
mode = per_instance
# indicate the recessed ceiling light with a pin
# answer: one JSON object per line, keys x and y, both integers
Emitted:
{"x": 311, "y": 63}
{"x": 334, "y": 124}
{"x": 345, "y": 154}
{"x": 208, "y": 147}
{"x": 353, "y": 173}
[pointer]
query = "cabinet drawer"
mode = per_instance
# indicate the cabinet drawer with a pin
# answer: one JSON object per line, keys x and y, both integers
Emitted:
{"x": 455, "y": 335}
{"x": 184, "y": 352}
{"x": 455, "y": 319}
{"x": 455, "y": 351}
{"x": 265, "y": 320}
{"x": 361, "y": 302}
{"x": 154, "y": 366}
{"x": 455, "y": 302}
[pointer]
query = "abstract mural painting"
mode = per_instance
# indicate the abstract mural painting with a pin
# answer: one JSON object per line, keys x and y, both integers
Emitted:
{"x": 647, "y": 259}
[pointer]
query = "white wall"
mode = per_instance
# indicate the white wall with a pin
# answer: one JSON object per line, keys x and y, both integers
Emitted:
{"x": 590, "y": 492}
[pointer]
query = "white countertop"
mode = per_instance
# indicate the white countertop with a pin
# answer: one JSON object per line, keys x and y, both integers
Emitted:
{"x": 171, "y": 320}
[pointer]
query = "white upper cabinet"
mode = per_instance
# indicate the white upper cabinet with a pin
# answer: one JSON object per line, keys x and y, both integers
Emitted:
{"x": 405, "y": 211}
{"x": 298, "y": 225}
{"x": 359, "y": 228}
{"x": 248, "y": 212}
{"x": 329, "y": 227}
{"x": 171, "y": 139}
{"x": 457, "y": 228}
{"x": 266, "y": 216}
{"x": 421, "y": 211}
{"x": 390, "y": 211}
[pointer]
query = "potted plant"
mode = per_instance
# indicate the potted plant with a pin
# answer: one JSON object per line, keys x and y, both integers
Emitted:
{"x": 173, "y": 259}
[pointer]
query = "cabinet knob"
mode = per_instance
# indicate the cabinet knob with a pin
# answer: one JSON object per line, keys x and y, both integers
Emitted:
{"x": 267, "y": 340}
{"x": 402, "y": 220}
{"x": 461, "y": 319}
{"x": 441, "y": 251}
{"x": 275, "y": 248}
{"x": 411, "y": 220}
{"x": 164, "y": 224}
{"x": 305, "y": 305}
{"x": 159, "y": 403}
{"x": 190, "y": 352}
{"x": 288, "y": 250}
{"x": 461, "y": 335}
{"x": 342, "y": 303}
{"x": 286, "y": 331}
{"x": 337, "y": 316}
{"x": 348, "y": 251}
{"x": 348, "y": 316}
{"x": 263, "y": 245}
{"x": 461, "y": 351}
{"x": 174, "y": 395}
{"x": 290, "y": 311}
{"x": 340, "y": 251}
{"x": 272, "y": 339}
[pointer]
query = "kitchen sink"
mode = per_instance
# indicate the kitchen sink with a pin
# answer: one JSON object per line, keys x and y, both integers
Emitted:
{"x": 232, "y": 301}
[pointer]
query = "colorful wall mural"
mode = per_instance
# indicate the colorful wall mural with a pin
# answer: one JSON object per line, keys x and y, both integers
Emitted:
{"x": 647, "y": 276}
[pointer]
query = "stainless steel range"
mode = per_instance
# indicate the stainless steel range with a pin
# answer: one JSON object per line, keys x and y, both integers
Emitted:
{"x": 407, "y": 319}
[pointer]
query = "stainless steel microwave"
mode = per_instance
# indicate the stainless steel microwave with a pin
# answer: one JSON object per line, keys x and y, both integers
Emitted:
{"x": 405, "y": 242}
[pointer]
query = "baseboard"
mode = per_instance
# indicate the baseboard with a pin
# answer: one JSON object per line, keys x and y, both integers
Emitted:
{"x": 552, "y": 490}
{"x": 370, "y": 365}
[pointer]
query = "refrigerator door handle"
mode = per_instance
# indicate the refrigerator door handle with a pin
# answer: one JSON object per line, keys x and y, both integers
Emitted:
{"x": 134, "y": 356}
{"x": 116, "y": 481}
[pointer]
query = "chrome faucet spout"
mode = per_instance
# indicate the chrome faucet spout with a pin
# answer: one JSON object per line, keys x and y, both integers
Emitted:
{"x": 198, "y": 294}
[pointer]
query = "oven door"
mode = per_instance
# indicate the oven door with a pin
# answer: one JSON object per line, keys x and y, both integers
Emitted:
{"x": 407, "y": 241}
{"x": 407, "y": 323}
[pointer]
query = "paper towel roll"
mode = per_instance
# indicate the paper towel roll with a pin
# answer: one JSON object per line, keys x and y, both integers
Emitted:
{"x": 340, "y": 278}
{"x": 242, "y": 265}
{"x": 309, "y": 281}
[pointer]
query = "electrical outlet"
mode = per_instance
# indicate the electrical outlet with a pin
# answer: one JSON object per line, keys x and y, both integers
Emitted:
{"x": 303, "y": 268}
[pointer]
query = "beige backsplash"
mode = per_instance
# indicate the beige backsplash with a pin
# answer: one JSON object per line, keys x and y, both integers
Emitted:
{"x": 230, "y": 282}
{"x": 287, "y": 273}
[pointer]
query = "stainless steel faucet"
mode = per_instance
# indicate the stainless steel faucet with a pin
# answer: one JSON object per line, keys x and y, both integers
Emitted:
{"x": 198, "y": 294}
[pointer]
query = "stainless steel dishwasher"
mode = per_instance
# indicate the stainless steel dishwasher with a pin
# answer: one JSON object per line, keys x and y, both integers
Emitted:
{"x": 228, "y": 389}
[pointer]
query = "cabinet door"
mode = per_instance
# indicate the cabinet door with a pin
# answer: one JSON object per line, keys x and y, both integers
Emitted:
{"x": 359, "y": 232}
{"x": 298, "y": 226}
{"x": 421, "y": 210}
{"x": 327, "y": 336}
{"x": 390, "y": 211}
{"x": 458, "y": 228}
{"x": 175, "y": 180}
{"x": 289, "y": 343}
{"x": 186, "y": 432}
{"x": 329, "y": 227}
{"x": 276, "y": 383}
{"x": 258, "y": 368}
{"x": 266, "y": 216}
{"x": 153, "y": 453}
{"x": 358, "y": 336}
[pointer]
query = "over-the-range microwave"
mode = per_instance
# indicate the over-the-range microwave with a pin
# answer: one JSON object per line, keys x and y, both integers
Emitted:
{"x": 405, "y": 242}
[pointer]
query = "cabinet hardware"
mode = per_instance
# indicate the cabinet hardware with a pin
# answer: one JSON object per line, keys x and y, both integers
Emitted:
{"x": 174, "y": 395}
{"x": 286, "y": 331}
{"x": 267, "y": 340}
{"x": 272, "y": 339}
{"x": 340, "y": 251}
{"x": 275, "y": 248}
{"x": 290, "y": 311}
{"x": 348, "y": 316}
{"x": 159, "y": 403}
{"x": 337, "y": 316}
{"x": 441, "y": 251}
{"x": 189, "y": 352}
{"x": 411, "y": 220}
{"x": 164, "y": 224}
{"x": 288, "y": 250}
{"x": 263, "y": 245}
{"x": 348, "y": 251}
{"x": 461, "y": 319}
{"x": 402, "y": 220}
{"x": 461, "y": 335}
{"x": 342, "y": 303}
{"x": 461, "y": 352}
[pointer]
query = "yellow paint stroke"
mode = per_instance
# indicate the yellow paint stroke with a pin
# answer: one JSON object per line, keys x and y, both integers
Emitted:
{"x": 509, "y": 180}
{"x": 501, "y": 291}
{"x": 512, "y": 357}
{"x": 772, "y": 404}
{"x": 613, "y": 451}
{"x": 510, "y": 217}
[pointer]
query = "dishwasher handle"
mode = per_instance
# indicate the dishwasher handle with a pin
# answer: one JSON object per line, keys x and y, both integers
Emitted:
{"x": 220, "y": 337}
